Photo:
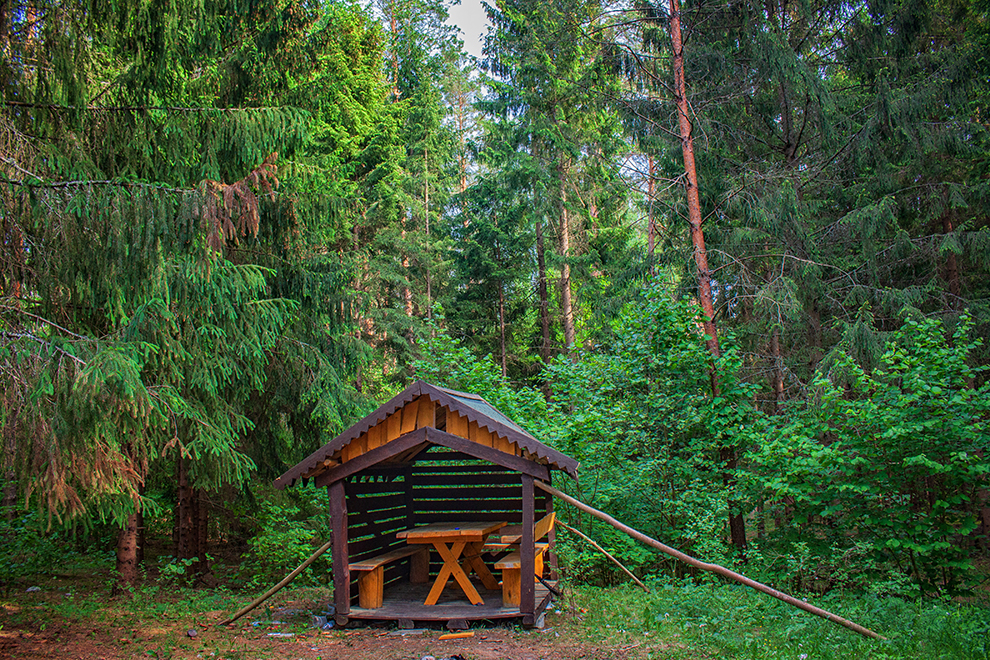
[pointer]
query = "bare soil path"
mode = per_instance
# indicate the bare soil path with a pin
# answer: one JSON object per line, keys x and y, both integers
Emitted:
{"x": 114, "y": 633}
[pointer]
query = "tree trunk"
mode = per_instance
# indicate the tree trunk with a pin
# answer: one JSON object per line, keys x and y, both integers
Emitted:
{"x": 814, "y": 338}
{"x": 202, "y": 567}
{"x": 541, "y": 266}
{"x": 184, "y": 534}
{"x": 10, "y": 483}
{"x": 394, "y": 24}
{"x": 192, "y": 525}
{"x": 651, "y": 228}
{"x": 140, "y": 533}
{"x": 127, "y": 553}
{"x": 426, "y": 214}
{"x": 566, "y": 310}
{"x": 406, "y": 291}
{"x": 951, "y": 265}
{"x": 727, "y": 454}
{"x": 501, "y": 328}
{"x": 777, "y": 373}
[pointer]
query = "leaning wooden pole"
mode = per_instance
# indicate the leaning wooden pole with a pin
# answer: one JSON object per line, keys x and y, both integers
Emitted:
{"x": 286, "y": 580}
{"x": 713, "y": 568}
{"x": 604, "y": 552}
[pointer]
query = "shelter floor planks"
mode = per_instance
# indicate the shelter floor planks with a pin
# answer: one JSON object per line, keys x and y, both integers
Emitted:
{"x": 405, "y": 601}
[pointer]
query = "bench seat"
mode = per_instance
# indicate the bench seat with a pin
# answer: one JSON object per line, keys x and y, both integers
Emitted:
{"x": 371, "y": 581}
{"x": 510, "y": 565}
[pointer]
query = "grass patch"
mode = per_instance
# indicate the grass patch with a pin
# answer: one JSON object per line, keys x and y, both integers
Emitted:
{"x": 733, "y": 621}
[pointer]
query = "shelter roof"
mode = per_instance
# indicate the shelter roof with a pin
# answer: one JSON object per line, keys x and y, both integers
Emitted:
{"x": 465, "y": 414}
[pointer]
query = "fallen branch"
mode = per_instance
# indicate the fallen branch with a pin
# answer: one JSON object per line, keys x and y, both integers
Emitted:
{"x": 714, "y": 568}
{"x": 271, "y": 592}
{"x": 604, "y": 552}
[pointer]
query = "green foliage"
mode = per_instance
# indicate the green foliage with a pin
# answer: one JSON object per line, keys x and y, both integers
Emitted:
{"x": 889, "y": 462}
{"x": 129, "y": 338}
{"x": 639, "y": 415}
{"x": 27, "y": 550}
{"x": 289, "y": 530}
{"x": 447, "y": 361}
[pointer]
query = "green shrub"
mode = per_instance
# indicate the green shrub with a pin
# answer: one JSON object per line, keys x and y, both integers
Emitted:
{"x": 290, "y": 528}
{"x": 27, "y": 550}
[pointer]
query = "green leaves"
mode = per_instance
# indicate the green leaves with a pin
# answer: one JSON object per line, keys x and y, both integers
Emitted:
{"x": 905, "y": 449}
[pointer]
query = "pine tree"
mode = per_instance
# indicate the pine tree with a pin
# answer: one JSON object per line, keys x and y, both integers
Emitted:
{"x": 544, "y": 73}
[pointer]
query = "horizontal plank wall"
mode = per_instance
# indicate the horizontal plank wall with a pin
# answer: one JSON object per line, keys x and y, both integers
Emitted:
{"x": 377, "y": 508}
{"x": 450, "y": 486}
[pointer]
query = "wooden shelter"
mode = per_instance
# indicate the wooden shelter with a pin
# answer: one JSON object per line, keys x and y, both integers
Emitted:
{"x": 444, "y": 468}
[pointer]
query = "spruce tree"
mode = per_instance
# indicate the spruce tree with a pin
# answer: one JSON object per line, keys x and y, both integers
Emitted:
{"x": 158, "y": 270}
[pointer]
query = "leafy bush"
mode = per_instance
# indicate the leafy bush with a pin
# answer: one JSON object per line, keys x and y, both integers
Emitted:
{"x": 290, "y": 529}
{"x": 26, "y": 549}
{"x": 886, "y": 463}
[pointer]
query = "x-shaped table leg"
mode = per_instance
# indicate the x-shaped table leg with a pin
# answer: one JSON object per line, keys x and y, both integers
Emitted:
{"x": 452, "y": 566}
{"x": 473, "y": 563}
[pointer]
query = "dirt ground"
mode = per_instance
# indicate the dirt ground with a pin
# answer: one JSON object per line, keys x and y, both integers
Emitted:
{"x": 203, "y": 638}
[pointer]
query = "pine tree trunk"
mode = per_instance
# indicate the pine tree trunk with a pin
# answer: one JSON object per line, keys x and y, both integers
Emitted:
{"x": 202, "y": 567}
{"x": 127, "y": 553}
{"x": 140, "y": 532}
{"x": 651, "y": 228}
{"x": 9, "y": 496}
{"x": 4, "y": 24}
{"x": 426, "y": 209}
{"x": 814, "y": 338}
{"x": 727, "y": 455}
{"x": 566, "y": 309}
{"x": 407, "y": 304}
{"x": 501, "y": 329}
{"x": 984, "y": 504}
{"x": 951, "y": 266}
{"x": 185, "y": 522}
{"x": 777, "y": 372}
{"x": 10, "y": 483}
{"x": 541, "y": 267}
{"x": 394, "y": 24}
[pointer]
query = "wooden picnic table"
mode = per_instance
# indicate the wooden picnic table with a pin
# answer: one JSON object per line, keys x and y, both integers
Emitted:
{"x": 459, "y": 544}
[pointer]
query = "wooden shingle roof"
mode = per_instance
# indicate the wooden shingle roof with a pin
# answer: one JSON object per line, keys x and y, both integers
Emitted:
{"x": 466, "y": 416}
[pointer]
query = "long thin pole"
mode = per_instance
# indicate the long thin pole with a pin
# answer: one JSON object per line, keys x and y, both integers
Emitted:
{"x": 714, "y": 568}
{"x": 604, "y": 552}
{"x": 286, "y": 580}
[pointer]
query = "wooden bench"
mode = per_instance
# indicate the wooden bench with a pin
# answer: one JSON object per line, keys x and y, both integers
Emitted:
{"x": 512, "y": 573}
{"x": 510, "y": 565}
{"x": 510, "y": 536}
{"x": 371, "y": 581}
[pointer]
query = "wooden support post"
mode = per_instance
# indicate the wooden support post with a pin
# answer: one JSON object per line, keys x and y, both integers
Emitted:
{"x": 419, "y": 567}
{"x": 341, "y": 573}
{"x": 510, "y": 587}
{"x": 371, "y": 588}
{"x": 527, "y": 564}
{"x": 551, "y": 539}
{"x": 407, "y": 496}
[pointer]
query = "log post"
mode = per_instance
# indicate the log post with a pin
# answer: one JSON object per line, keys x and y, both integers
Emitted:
{"x": 341, "y": 572}
{"x": 527, "y": 564}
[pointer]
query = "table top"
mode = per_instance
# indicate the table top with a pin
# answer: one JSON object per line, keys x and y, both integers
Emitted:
{"x": 451, "y": 530}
